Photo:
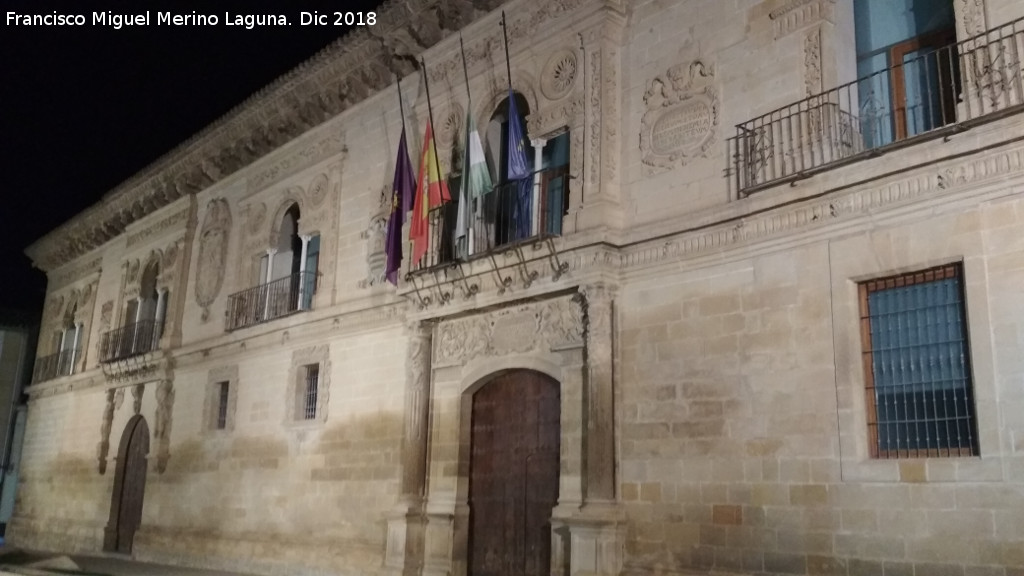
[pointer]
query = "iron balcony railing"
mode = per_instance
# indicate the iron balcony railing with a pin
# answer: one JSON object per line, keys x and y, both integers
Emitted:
{"x": 55, "y": 365}
{"x": 272, "y": 300}
{"x": 509, "y": 214}
{"x": 947, "y": 86}
{"x": 131, "y": 340}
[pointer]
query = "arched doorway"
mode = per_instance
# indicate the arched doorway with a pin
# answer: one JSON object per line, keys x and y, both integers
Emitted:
{"x": 513, "y": 479}
{"x": 129, "y": 487}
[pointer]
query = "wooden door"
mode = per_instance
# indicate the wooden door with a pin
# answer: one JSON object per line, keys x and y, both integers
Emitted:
{"x": 513, "y": 479}
{"x": 129, "y": 486}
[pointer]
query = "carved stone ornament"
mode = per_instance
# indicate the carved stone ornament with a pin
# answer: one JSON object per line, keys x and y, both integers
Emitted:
{"x": 317, "y": 191}
{"x": 450, "y": 130}
{"x": 137, "y": 398}
{"x": 559, "y": 75}
{"x": 540, "y": 326}
{"x": 681, "y": 120}
{"x": 162, "y": 427}
{"x": 213, "y": 254}
{"x": 103, "y": 448}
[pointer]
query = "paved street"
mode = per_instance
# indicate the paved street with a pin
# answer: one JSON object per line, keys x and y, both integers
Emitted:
{"x": 22, "y": 563}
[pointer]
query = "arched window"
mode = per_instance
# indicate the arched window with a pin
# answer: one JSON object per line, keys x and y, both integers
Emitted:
{"x": 67, "y": 341}
{"x": 143, "y": 320}
{"x": 508, "y": 209}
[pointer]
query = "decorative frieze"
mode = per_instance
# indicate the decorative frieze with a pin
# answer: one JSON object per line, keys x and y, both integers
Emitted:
{"x": 796, "y": 14}
{"x": 178, "y": 219}
{"x": 331, "y": 145}
{"x": 540, "y": 326}
{"x": 73, "y": 273}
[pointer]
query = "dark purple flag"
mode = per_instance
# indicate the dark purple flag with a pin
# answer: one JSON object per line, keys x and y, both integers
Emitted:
{"x": 401, "y": 203}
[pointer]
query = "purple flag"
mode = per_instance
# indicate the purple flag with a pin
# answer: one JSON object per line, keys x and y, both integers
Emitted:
{"x": 401, "y": 203}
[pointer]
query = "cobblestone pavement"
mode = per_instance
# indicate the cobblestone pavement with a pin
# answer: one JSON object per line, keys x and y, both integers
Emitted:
{"x": 27, "y": 563}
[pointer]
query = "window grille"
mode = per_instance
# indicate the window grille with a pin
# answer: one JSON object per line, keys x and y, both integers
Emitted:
{"x": 312, "y": 383}
{"x": 222, "y": 405}
{"x": 920, "y": 399}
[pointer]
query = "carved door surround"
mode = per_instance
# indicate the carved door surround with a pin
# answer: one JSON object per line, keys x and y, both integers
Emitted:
{"x": 567, "y": 338}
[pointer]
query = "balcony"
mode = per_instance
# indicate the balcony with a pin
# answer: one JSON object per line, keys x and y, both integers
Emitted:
{"x": 930, "y": 93}
{"x": 55, "y": 365}
{"x": 131, "y": 340}
{"x": 512, "y": 214}
{"x": 275, "y": 299}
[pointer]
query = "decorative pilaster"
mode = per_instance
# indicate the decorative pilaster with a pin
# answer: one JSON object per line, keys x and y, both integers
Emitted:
{"x": 597, "y": 531}
{"x": 404, "y": 553}
{"x": 162, "y": 427}
{"x": 597, "y": 302}
{"x": 104, "y": 446}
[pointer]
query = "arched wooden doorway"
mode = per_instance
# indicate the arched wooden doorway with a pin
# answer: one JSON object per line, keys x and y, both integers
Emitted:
{"x": 513, "y": 479}
{"x": 129, "y": 487}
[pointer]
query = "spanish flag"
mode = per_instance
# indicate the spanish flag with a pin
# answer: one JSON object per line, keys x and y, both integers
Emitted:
{"x": 431, "y": 192}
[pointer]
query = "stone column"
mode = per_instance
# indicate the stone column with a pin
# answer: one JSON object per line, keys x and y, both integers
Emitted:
{"x": 302, "y": 270}
{"x": 158, "y": 320}
{"x": 74, "y": 348}
{"x": 270, "y": 274}
{"x": 538, "y": 161}
{"x": 404, "y": 553}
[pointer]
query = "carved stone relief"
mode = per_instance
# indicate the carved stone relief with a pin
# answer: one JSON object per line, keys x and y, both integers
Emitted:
{"x": 213, "y": 254}
{"x": 973, "y": 16}
{"x": 317, "y": 191}
{"x": 812, "y": 62}
{"x": 559, "y": 75}
{"x": 162, "y": 426}
{"x": 103, "y": 448}
{"x": 681, "y": 120}
{"x": 137, "y": 391}
{"x": 541, "y": 326}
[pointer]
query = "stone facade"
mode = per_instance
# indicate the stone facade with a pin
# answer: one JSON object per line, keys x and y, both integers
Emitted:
{"x": 707, "y": 342}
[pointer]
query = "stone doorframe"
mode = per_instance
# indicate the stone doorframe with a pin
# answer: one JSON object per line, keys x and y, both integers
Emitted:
{"x": 567, "y": 337}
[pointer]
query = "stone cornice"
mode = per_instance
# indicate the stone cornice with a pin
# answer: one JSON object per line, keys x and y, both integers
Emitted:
{"x": 360, "y": 64}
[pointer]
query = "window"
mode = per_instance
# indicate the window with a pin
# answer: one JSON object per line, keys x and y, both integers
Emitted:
{"x": 920, "y": 400}
{"x": 909, "y": 74}
{"x": 223, "y": 389}
{"x": 311, "y": 377}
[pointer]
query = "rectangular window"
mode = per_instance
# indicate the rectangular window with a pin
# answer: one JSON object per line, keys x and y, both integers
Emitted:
{"x": 920, "y": 400}
{"x": 222, "y": 404}
{"x": 312, "y": 382}
{"x": 907, "y": 68}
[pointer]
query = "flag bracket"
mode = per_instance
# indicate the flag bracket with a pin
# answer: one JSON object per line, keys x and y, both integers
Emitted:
{"x": 525, "y": 274}
{"x": 468, "y": 290}
{"x": 557, "y": 266}
{"x": 502, "y": 283}
{"x": 423, "y": 300}
{"x": 443, "y": 297}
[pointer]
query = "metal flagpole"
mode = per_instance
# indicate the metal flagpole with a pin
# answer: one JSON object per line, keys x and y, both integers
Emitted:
{"x": 437, "y": 161}
{"x": 466, "y": 155}
{"x": 508, "y": 66}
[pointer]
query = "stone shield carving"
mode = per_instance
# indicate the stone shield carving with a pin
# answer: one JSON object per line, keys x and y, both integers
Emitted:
{"x": 213, "y": 253}
{"x": 681, "y": 120}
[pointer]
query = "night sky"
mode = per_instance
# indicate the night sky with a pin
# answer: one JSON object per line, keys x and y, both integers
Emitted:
{"x": 84, "y": 108}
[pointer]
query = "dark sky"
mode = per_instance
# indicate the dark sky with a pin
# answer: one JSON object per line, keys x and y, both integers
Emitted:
{"x": 84, "y": 108}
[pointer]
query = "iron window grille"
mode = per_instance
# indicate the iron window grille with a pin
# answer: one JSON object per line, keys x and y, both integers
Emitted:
{"x": 312, "y": 383}
{"x": 223, "y": 389}
{"x": 916, "y": 358}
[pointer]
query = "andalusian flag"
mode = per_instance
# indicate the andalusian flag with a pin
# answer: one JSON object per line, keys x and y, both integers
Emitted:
{"x": 431, "y": 192}
{"x": 476, "y": 181}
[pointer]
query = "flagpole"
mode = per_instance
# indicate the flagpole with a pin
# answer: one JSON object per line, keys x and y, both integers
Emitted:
{"x": 433, "y": 144}
{"x": 508, "y": 65}
{"x": 465, "y": 161}
{"x": 401, "y": 104}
